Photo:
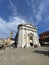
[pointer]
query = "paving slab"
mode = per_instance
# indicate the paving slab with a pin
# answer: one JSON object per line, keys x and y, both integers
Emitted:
{"x": 25, "y": 56}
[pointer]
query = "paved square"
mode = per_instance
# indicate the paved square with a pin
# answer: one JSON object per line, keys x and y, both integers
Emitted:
{"x": 25, "y": 56}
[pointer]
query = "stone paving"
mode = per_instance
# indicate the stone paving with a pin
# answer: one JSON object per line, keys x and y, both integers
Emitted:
{"x": 25, "y": 56}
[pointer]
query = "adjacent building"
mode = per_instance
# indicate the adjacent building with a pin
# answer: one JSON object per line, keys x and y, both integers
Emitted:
{"x": 44, "y": 38}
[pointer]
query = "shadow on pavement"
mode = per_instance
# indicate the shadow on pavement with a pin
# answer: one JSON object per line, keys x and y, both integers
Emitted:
{"x": 42, "y": 52}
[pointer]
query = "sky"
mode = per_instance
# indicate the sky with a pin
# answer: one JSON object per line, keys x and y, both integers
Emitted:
{"x": 15, "y": 12}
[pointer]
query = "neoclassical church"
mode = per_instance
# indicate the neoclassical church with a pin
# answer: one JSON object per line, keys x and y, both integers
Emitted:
{"x": 26, "y": 36}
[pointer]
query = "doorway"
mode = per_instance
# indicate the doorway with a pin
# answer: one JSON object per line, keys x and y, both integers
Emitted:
{"x": 31, "y": 41}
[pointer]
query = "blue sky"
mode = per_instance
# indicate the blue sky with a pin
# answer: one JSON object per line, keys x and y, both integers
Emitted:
{"x": 14, "y": 12}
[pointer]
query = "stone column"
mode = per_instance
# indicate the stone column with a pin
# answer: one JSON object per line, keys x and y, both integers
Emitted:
{"x": 19, "y": 38}
{"x": 23, "y": 38}
{"x": 36, "y": 38}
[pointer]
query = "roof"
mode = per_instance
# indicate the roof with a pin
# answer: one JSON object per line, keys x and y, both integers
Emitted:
{"x": 27, "y": 25}
{"x": 46, "y": 32}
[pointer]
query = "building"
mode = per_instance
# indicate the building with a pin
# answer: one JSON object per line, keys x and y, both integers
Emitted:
{"x": 6, "y": 42}
{"x": 26, "y": 36}
{"x": 44, "y": 38}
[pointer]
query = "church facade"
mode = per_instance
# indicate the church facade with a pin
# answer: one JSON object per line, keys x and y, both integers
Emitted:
{"x": 27, "y": 36}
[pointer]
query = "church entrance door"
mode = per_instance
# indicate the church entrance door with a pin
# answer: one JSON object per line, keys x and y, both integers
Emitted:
{"x": 31, "y": 41}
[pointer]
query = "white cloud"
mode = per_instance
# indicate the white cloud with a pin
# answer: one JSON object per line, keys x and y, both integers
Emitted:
{"x": 38, "y": 10}
{"x": 43, "y": 5}
{"x": 41, "y": 9}
{"x": 13, "y": 8}
{"x": 6, "y": 27}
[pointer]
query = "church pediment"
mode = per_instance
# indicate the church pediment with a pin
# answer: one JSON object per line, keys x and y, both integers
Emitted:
{"x": 27, "y": 26}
